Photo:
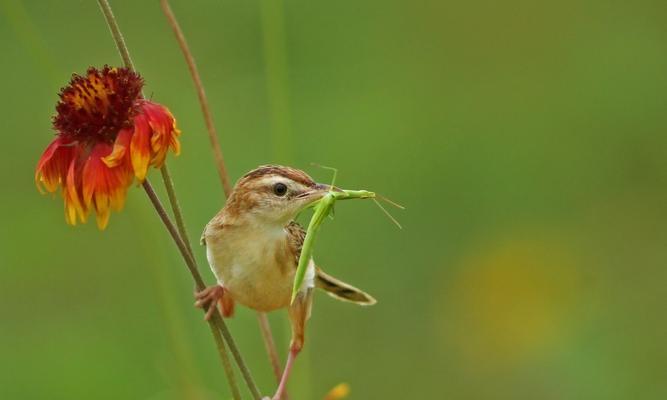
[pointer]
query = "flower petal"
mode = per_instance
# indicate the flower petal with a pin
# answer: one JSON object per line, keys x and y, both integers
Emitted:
{"x": 140, "y": 150}
{"x": 74, "y": 207}
{"x": 165, "y": 134}
{"x": 120, "y": 152}
{"x": 51, "y": 170}
{"x": 104, "y": 188}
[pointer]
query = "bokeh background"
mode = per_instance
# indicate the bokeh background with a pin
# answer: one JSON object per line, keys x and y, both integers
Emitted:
{"x": 526, "y": 139}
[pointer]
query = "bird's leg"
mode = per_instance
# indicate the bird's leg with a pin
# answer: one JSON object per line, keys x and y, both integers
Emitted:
{"x": 299, "y": 312}
{"x": 282, "y": 386}
{"x": 210, "y": 297}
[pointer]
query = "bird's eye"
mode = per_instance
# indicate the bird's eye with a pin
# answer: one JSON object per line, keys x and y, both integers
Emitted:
{"x": 280, "y": 189}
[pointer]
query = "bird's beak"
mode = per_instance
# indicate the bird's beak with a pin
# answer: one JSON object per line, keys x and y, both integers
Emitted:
{"x": 314, "y": 193}
{"x": 327, "y": 188}
{"x": 321, "y": 187}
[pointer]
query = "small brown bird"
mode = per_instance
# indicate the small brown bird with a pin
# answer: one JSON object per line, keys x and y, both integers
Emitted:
{"x": 253, "y": 246}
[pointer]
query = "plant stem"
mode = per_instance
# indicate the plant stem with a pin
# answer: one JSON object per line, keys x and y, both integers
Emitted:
{"x": 217, "y": 324}
{"x": 270, "y": 346}
{"x": 218, "y": 321}
{"x": 203, "y": 101}
{"x": 190, "y": 263}
{"x": 115, "y": 33}
{"x": 264, "y": 326}
{"x": 173, "y": 200}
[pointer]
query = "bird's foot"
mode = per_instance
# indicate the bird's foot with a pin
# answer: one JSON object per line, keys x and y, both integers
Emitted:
{"x": 208, "y": 299}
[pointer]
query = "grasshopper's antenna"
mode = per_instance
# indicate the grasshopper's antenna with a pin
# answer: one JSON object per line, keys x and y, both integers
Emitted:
{"x": 335, "y": 172}
{"x": 393, "y": 203}
{"x": 391, "y": 217}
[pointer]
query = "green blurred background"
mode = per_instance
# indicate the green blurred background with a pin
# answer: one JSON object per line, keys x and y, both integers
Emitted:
{"x": 525, "y": 138}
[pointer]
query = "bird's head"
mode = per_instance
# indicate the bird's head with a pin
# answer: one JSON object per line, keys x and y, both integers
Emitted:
{"x": 273, "y": 194}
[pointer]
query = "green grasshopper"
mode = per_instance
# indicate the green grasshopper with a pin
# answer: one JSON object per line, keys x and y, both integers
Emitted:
{"x": 322, "y": 208}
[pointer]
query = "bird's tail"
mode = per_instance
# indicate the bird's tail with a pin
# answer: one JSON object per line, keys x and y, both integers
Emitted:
{"x": 341, "y": 290}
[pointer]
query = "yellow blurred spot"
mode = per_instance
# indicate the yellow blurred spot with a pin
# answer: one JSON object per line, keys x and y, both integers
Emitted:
{"x": 340, "y": 391}
{"x": 512, "y": 302}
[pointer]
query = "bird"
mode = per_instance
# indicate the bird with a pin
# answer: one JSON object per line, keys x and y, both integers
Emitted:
{"x": 253, "y": 245}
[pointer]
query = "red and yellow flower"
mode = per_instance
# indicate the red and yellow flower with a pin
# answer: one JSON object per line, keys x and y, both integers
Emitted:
{"x": 107, "y": 135}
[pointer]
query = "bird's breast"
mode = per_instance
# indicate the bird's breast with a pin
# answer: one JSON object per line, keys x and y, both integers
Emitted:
{"x": 257, "y": 269}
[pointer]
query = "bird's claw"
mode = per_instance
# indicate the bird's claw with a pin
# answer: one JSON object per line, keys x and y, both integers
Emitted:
{"x": 208, "y": 299}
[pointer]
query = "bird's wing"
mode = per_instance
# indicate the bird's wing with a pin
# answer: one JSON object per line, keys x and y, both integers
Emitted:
{"x": 297, "y": 234}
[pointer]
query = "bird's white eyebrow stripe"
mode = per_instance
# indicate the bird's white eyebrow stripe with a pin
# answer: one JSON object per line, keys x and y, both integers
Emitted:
{"x": 286, "y": 172}
{"x": 275, "y": 178}
{"x": 270, "y": 180}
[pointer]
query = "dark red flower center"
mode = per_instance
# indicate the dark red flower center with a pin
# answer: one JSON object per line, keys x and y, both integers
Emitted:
{"x": 95, "y": 107}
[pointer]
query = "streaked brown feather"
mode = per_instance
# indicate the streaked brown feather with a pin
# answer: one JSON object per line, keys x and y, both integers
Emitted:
{"x": 296, "y": 234}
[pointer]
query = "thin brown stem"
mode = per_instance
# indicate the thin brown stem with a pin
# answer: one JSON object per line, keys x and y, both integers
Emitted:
{"x": 203, "y": 101}
{"x": 270, "y": 345}
{"x": 190, "y": 263}
{"x": 218, "y": 321}
{"x": 115, "y": 33}
{"x": 217, "y": 324}
{"x": 173, "y": 201}
{"x": 264, "y": 326}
